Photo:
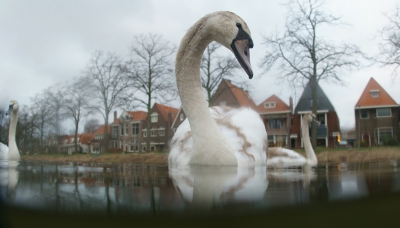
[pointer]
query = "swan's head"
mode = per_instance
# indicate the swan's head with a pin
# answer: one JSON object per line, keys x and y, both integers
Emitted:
{"x": 232, "y": 31}
{"x": 13, "y": 107}
{"x": 310, "y": 117}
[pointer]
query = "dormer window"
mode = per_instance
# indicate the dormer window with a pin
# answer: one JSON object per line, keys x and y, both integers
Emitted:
{"x": 154, "y": 117}
{"x": 374, "y": 93}
{"x": 269, "y": 105}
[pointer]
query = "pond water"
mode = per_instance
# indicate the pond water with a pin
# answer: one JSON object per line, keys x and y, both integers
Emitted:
{"x": 127, "y": 188}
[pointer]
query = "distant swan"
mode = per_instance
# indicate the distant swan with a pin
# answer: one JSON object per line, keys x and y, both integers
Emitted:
{"x": 219, "y": 135}
{"x": 279, "y": 157}
{"x": 11, "y": 152}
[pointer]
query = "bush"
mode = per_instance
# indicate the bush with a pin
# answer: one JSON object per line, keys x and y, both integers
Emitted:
{"x": 363, "y": 144}
{"x": 390, "y": 141}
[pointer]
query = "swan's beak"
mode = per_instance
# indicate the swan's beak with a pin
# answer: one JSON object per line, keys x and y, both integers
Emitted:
{"x": 10, "y": 108}
{"x": 241, "y": 49}
{"x": 317, "y": 122}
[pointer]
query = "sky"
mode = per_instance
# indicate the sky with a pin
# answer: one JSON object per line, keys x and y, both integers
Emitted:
{"x": 45, "y": 42}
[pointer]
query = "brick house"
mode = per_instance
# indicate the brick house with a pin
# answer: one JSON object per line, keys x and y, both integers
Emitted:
{"x": 96, "y": 143}
{"x": 329, "y": 129}
{"x": 376, "y": 115}
{"x": 67, "y": 144}
{"x": 276, "y": 116}
{"x": 126, "y": 131}
{"x": 161, "y": 119}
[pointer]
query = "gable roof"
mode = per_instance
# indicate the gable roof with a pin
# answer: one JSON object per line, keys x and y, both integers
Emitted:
{"x": 304, "y": 102}
{"x": 138, "y": 115}
{"x": 367, "y": 101}
{"x": 163, "y": 109}
{"x": 100, "y": 130}
{"x": 85, "y": 138}
{"x": 280, "y": 106}
{"x": 241, "y": 96}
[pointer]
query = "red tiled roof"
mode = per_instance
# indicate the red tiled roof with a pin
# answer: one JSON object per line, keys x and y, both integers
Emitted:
{"x": 100, "y": 130}
{"x": 366, "y": 100}
{"x": 165, "y": 109}
{"x": 138, "y": 115}
{"x": 85, "y": 138}
{"x": 280, "y": 106}
{"x": 242, "y": 96}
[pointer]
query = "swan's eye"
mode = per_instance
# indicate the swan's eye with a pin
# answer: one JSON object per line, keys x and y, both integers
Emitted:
{"x": 238, "y": 25}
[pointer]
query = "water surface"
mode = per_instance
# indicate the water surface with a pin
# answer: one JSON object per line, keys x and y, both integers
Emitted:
{"x": 151, "y": 189}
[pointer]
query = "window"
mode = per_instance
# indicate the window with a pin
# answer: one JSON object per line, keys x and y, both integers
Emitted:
{"x": 269, "y": 104}
{"x": 161, "y": 131}
{"x": 122, "y": 130}
{"x": 382, "y": 133}
{"x": 374, "y": 93}
{"x": 311, "y": 102}
{"x": 182, "y": 116}
{"x": 276, "y": 123}
{"x": 321, "y": 118}
{"x": 144, "y": 132}
{"x": 126, "y": 129}
{"x": 153, "y": 132}
{"x": 115, "y": 132}
{"x": 135, "y": 129}
{"x": 364, "y": 114}
{"x": 134, "y": 145}
{"x": 154, "y": 117}
{"x": 143, "y": 148}
{"x": 383, "y": 112}
{"x": 222, "y": 103}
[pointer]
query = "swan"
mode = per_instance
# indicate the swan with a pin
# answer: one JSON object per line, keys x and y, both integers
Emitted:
{"x": 11, "y": 152}
{"x": 217, "y": 135}
{"x": 279, "y": 157}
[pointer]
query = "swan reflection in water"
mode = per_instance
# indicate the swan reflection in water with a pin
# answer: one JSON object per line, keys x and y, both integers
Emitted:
{"x": 209, "y": 186}
{"x": 9, "y": 176}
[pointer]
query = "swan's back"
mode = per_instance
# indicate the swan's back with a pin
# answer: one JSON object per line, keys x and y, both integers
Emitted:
{"x": 3, "y": 151}
{"x": 243, "y": 128}
{"x": 279, "y": 157}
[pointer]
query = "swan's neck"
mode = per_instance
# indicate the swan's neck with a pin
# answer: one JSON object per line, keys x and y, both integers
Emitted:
{"x": 209, "y": 145}
{"x": 311, "y": 157}
{"x": 13, "y": 153}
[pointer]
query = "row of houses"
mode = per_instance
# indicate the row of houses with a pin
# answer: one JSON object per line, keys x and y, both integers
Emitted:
{"x": 376, "y": 114}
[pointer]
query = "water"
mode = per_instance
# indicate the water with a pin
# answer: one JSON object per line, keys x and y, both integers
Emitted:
{"x": 115, "y": 189}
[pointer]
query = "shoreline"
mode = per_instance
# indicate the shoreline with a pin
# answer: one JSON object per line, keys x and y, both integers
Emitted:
{"x": 334, "y": 157}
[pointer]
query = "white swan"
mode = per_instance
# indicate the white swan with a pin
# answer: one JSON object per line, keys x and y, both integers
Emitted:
{"x": 279, "y": 157}
{"x": 11, "y": 152}
{"x": 219, "y": 135}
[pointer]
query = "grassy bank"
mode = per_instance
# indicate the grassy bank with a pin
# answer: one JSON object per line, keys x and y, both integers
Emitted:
{"x": 324, "y": 155}
{"x": 154, "y": 158}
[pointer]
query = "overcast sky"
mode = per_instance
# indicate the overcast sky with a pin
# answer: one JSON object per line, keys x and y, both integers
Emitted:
{"x": 47, "y": 42}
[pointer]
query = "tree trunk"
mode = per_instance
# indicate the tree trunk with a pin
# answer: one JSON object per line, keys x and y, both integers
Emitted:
{"x": 313, "y": 84}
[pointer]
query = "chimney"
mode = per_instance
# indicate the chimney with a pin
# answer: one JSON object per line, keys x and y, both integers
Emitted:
{"x": 291, "y": 104}
{"x": 115, "y": 115}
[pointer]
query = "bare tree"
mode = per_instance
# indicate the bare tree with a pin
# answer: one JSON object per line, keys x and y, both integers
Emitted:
{"x": 110, "y": 86}
{"x": 77, "y": 103}
{"x": 304, "y": 56}
{"x": 215, "y": 67}
{"x": 91, "y": 125}
{"x": 389, "y": 47}
{"x": 55, "y": 98}
{"x": 42, "y": 111}
{"x": 150, "y": 72}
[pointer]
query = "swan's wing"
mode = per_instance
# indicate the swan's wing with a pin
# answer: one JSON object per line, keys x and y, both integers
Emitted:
{"x": 245, "y": 132}
{"x": 279, "y": 157}
{"x": 3, "y": 151}
{"x": 242, "y": 127}
{"x": 181, "y": 145}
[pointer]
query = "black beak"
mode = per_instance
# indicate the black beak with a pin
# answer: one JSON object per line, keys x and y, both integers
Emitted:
{"x": 10, "y": 108}
{"x": 241, "y": 48}
{"x": 316, "y": 121}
